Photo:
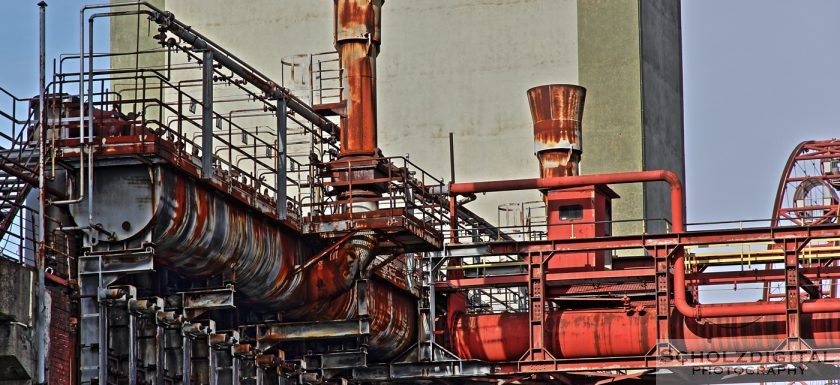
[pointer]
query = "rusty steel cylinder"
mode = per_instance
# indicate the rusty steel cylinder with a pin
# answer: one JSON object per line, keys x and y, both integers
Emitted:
{"x": 392, "y": 314}
{"x": 196, "y": 231}
{"x": 357, "y": 39}
{"x": 615, "y": 333}
{"x": 557, "y": 112}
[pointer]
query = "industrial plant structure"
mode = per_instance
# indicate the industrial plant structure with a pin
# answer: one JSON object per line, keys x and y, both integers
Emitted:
{"x": 197, "y": 222}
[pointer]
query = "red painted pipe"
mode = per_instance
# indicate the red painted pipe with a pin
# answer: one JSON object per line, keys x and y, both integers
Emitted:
{"x": 677, "y": 209}
{"x": 825, "y": 305}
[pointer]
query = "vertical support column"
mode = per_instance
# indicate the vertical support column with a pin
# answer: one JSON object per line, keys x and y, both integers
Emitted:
{"x": 132, "y": 343}
{"x": 792, "y": 305}
{"x": 426, "y": 311}
{"x": 260, "y": 375}
{"x": 41, "y": 318}
{"x": 149, "y": 341}
{"x": 207, "y": 114}
{"x": 93, "y": 323}
{"x": 211, "y": 363}
{"x": 662, "y": 260}
{"x": 186, "y": 357}
{"x": 102, "y": 348}
{"x": 536, "y": 311}
{"x": 280, "y": 178}
{"x": 453, "y": 214}
{"x": 225, "y": 364}
{"x": 160, "y": 348}
{"x": 173, "y": 349}
{"x": 363, "y": 312}
{"x": 236, "y": 362}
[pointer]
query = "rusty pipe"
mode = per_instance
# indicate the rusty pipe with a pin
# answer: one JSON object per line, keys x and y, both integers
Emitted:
{"x": 357, "y": 38}
{"x": 677, "y": 208}
{"x": 557, "y": 112}
{"x": 392, "y": 314}
{"x": 332, "y": 276}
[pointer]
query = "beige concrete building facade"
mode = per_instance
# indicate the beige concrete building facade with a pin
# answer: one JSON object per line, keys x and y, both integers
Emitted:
{"x": 463, "y": 66}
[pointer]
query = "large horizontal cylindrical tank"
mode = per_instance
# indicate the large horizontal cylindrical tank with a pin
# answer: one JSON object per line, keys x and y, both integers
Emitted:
{"x": 615, "y": 333}
{"x": 196, "y": 230}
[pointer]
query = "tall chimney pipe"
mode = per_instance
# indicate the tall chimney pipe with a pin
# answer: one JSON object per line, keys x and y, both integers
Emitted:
{"x": 557, "y": 111}
{"x": 357, "y": 39}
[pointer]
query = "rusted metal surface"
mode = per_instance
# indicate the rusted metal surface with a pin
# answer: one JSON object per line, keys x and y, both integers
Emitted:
{"x": 392, "y": 316}
{"x": 199, "y": 232}
{"x": 557, "y": 112}
{"x": 357, "y": 39}
{"x": 156, "y": 149}
{"x": 403, "y": 230}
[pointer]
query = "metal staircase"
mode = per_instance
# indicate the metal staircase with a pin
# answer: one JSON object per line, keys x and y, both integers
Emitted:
{"x": 18, "y": 173}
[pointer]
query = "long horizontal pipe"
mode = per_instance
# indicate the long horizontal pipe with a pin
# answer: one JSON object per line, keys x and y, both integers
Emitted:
{"x": 825, "y": 305}
{"x": 677, "y": 208}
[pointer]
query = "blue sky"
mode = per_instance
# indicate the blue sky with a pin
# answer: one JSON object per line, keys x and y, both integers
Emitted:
{"x": 759, "y": 77}
{"x": 19, "y": 36}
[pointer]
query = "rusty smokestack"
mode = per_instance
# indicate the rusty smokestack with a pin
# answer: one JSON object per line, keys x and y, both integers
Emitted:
{"x": 557, "y": 111}
{"x": 357, "y": 39}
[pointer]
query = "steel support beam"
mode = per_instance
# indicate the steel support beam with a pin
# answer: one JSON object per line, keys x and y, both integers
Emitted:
{"x": 207, "y": 114}
{"x": 280, "y": 178}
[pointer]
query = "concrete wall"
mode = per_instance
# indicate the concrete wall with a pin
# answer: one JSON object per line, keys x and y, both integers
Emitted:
{"x": 662, "y": 107}
{"x": 631, "y": 64}
{"x": 133, "y": 33}
{"x": 608, "y": 39}
{"x": 17, "y": 306}
{"x": 463, "y": 66}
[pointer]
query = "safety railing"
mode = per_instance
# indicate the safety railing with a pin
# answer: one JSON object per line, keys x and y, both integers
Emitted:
{"x": 314, "y": 77}
{"x": 18, "y": 203}
{"x": 405, "y": 188}
{"x": 149, "y": 105}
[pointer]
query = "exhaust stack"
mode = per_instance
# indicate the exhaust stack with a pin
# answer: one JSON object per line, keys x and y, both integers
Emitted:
{"x": 557, "y": 111}
{"x": 357, "y": 39}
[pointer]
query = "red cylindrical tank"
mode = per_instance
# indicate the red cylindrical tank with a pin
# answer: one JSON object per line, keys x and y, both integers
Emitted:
{"x": 569, "y": 334}
{"x": 614, "y": 333}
